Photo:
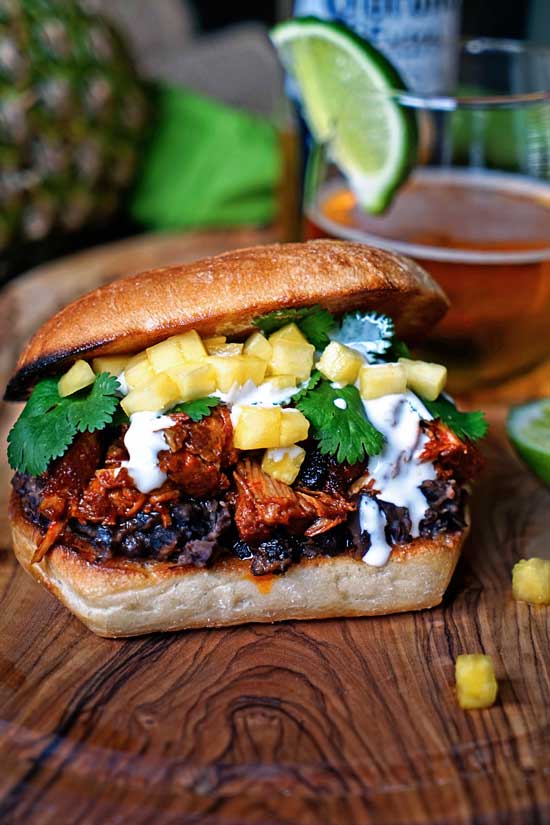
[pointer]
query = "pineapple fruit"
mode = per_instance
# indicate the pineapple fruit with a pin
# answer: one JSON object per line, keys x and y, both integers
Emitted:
{"x": 260, "y": 428}
{"x": 237, "y": 369}
{"x": 113, "y": 364}
{"x": 80, "y": 375}
{"x": 376, "y": 380}
{"x": 476, "y": 685}
{"x": 72, "y": 117}
{"x": 340, "y": 363}
{"x": 425, "y": 378}
{"x": 158, "y": 394}
{"x": 259, "y": 346}
{"x": 283, "y": 464}
{"x": 531, "y": 581}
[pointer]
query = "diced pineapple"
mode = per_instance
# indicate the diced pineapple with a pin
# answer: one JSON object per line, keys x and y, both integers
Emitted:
{"x": 283, "y": 463}
{"x": 531, "y": 581}
{"x": 113, "y": 364}
{"x": 138, "y": 372}
{"x": 281, "y": 382}
{"x": 166, "y": 355}
{"x": 294, "y": 427}
{"x": 476, "y": 685}
{"x": 290, "y": 358}
{"x": 225, "y": 349}
{"x": 237, "y": 369}
{"x": 376, "y": 380}
{"x": 290, "y": 332}
{"x": 214, "y": 340}
{"x": 425, "y": 378}
{"x": 191, "y": 345}
{"x": 196, "y": 381}
{"x": 80, "y": 375}
{"x": 257, "y": 427}
{"x": 259, "y": 346}
{"x": 160, "y": 394}
{"x": 340, "y": 363}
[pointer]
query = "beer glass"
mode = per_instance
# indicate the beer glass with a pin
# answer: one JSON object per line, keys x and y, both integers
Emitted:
{"x": 475, "y": 211}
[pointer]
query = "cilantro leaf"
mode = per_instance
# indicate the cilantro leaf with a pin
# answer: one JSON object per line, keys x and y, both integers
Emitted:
{"x": 345, "y": 433}
{"x": 197, "y": 409}
{"x": 370, "y": 333}
{"x": 314, "y": 322}
{"x": 398, "y": 349}
{"x": 49, "y": 423}
{"x": 466, "y": 425}
{"x": 313, "y": 380}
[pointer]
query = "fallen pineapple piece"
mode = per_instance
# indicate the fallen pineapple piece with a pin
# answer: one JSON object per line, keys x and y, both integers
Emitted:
{"x": 257, "y": 427}
{"x": 113, "y": 364}
{"x": 376, "y": 380}
{"x": 425, "y": 378}
{"x": 283, "y": 463}
{"x": 80, "y": 375}
{"x": 160, "y": 394}
{"x": 476, "y": 685}
{"x": 531, "y": 581}
{"x": 340, "y": 363}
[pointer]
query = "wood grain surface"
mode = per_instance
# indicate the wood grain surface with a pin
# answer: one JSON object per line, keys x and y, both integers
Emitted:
{"x": 341, "y": 721}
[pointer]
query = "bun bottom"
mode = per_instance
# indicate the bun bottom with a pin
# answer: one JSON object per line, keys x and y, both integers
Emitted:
{"x": 129, "y": 599}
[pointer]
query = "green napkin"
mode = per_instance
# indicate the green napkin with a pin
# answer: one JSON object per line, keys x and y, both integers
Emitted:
{"x": 207, "y": 165}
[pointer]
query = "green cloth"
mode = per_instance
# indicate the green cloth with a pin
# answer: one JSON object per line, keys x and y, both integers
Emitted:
{"x": 207, "y": 165}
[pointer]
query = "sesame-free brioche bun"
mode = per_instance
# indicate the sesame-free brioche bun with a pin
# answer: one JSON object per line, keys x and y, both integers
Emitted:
{"x": 127, "y": 598}
{"x": 223, "y": 295}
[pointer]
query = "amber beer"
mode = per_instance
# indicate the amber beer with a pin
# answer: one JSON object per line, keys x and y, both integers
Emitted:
{"x": 485, "y": 237}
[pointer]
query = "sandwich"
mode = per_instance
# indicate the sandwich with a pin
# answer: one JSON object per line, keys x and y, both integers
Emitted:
{"x": 246, "y": 438}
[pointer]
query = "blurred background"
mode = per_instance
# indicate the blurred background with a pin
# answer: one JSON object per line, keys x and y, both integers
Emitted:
{"x": 119, "y": 117}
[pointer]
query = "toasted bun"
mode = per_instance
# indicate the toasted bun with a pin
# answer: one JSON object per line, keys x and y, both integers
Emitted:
{"x": 224, "y": 294}
{"x": 128, "y": 599}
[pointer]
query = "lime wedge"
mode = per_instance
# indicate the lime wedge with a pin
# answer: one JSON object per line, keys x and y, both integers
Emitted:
{"x": 529, "y": 431}
{"x": 347, "y": 89}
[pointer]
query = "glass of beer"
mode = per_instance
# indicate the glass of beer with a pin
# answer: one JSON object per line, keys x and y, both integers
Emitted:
{"x": 475, "y": 210}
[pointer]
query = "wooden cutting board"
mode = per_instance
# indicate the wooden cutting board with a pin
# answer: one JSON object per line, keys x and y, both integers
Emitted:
{"x": 341, "y": 721}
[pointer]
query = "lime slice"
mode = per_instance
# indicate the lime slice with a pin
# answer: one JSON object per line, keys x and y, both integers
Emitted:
{"x": 529, "y": 430}
{"x": 347, "y": 89}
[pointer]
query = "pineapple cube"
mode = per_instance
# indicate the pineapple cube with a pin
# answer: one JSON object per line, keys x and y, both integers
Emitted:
{"x": 257, "y": 427}
{"x": 256, "y": 344}
{"x": 340, "y": 363}
{"x": 214, "y": 341}
{"x": 160, "y": 394}
{"x": 197, "y": 381}
{"x": 138, "y": 372}
{"x": 281, "y": 382}
{"x": 531, "y": 581}
{"x": 113, "y": 364}
{"x": 376, "y": 380}
{"x": 294, "y": 427}
{"x": 291, "y": 358}
{"x": 237, "y": 369}
{"x": 290, "y": 332}
{"x": 191, "y": 345}
{"x": 225, "y": 349}
{"x": 283, "y": 464}
{"x": 166, "y": 355}
{"x": 476, "y": 685}
{"x": 425, "y": 378}
{"x": 80, "y": 375}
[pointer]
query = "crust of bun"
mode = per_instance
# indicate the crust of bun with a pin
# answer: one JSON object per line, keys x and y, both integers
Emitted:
{"x": 223, "y": 294}
{"x": 130, "y": 599}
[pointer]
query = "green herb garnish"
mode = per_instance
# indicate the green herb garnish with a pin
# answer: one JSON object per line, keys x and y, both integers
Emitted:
{"x": 312, "y": 382}
{"x": 49, "y": 423}
{"x": 198, "y": 409}
{"x": 345, "y": 433}
{"x": 466, "y": 425}
{"x": 314, "y": 322}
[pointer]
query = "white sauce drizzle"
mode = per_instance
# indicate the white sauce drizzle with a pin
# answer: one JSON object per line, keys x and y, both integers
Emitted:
{"x": 144, "y": 440}
{"x": 341, "y": 403}
{"x": 397, "y": 472}
{"x": 250, "y": 394}
{"x": 122, "y": 383}
{"x": 279, "y": 453}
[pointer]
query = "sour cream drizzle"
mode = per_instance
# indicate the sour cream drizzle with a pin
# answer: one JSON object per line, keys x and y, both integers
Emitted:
{"x": 397, "y": 472}
{"x": 144, "y": 440}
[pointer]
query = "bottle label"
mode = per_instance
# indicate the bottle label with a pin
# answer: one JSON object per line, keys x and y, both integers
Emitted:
{"x": 420, "y": 37}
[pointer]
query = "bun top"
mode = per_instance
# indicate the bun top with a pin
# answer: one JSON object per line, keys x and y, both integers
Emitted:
{"x": 224, "y": 294}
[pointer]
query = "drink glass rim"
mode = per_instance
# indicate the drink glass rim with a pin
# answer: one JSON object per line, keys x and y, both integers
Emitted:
{"x": 479, "y": 46}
